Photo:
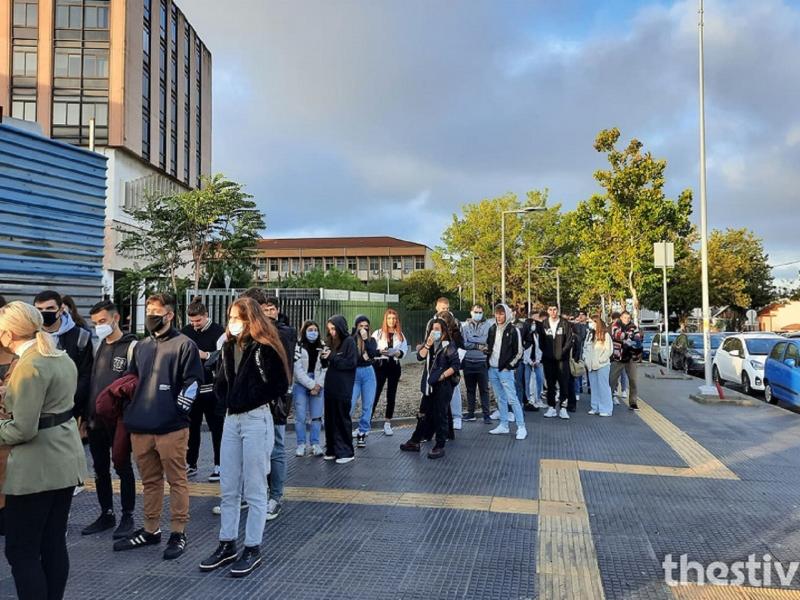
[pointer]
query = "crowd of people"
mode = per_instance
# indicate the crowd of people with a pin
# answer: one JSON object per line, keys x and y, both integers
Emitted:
{"x": 144, "y": 401}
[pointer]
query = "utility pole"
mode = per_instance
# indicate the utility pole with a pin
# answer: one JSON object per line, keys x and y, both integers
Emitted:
{"x": 558, "y": 290}
{"x": 529, "y": 287}
{"x": 474, "y": 300}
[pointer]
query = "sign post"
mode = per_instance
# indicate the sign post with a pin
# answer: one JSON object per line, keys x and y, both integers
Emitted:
{"x": 664, "y": 257}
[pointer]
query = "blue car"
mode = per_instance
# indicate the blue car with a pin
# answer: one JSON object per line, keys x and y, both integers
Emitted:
{"x": 782, "y": 373}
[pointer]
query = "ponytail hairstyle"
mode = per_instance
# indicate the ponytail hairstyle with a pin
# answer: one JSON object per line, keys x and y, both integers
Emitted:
{"x": 24, "y": 322}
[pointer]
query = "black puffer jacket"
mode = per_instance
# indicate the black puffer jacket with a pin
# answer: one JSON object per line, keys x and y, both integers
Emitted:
{"x": 261, "y": 378}
{"x": 341, "y": 364}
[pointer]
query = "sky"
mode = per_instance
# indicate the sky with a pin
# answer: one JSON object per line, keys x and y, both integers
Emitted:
{"x": 384, "y": 117}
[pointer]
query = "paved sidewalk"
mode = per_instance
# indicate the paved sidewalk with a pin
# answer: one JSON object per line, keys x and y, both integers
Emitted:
{"x": 581, "y": 509}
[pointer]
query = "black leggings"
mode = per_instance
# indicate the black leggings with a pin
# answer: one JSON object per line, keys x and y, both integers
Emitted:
{"x": 36, "y": 543}
{"x": 205, "y": 405}
{"x": 387, "y": 370}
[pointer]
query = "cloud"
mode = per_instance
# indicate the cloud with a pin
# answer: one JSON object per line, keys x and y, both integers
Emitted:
{"x": 380, "y": 117}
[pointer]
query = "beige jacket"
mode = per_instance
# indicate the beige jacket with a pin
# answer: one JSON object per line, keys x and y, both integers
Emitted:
{"x": 47, "y": 459}
{"x": 597, "y": 355}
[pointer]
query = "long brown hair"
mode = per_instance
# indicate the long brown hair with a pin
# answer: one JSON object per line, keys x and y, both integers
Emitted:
{"x": 258, "y": 328}
{"x": 398, "y": 330}
{"x": 600, "y": 329}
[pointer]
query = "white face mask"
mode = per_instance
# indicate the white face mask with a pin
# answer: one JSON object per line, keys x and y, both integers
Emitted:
{"x": 236, "y": 328}
{"x": 103, "y": 331}
{"x": 478, "y": 316}
{"x": 592, "y": 325}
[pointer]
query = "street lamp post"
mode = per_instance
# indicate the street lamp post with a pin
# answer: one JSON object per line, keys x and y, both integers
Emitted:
{"x": 519, "y": 211}
{"x": 558, "y": 289}
{"x": 708, "y": 387}
{"x": 473, "y": 281}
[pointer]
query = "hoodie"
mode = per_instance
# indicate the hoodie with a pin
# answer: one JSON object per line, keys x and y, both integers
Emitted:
{"x": 504, "y": 343}
{"x": 475, "y": 334}
{"x": 367, "y": 349}
{"x": 77, "y": 343}
{"x": 341, "y": 364}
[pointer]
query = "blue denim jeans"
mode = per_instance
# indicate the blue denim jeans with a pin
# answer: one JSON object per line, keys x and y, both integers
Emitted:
{"x": 578, "y": 384}
{"x": 364, "y": 387}
{"x": 247, "y": 439}
{"x": 277, "y": 460}
{"x": 522, "y": 381}
{"x": 601, "y": 390}
{"x": 506, "y": 393}
{"x": 538, "y": 382}
{"x": 307, "y": 407}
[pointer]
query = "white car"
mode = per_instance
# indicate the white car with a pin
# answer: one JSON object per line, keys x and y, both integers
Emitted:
{"x": 659, "y": 349}
{"x": 741, "y": 359}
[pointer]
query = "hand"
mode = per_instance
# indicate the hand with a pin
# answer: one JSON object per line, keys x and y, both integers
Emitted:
{"x": 429, "y": 342}
{"x": 204, "y": 355}
{"x": 363, "y": 333}
{"x": 315, "y": 390}
{"x": 325, "y": 353}
{"x": 82, "y": 429}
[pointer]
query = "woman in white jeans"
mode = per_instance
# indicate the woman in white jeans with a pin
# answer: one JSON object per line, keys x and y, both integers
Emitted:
{"x": 253, "y": 372}
{"x": 597, "y": 350}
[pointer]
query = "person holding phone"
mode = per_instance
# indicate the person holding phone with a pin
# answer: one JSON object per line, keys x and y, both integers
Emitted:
{"x": 365, "y": 382}
{"x": 340, "y": 358}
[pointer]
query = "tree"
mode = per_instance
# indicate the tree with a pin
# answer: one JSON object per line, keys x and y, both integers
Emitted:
{"x": 217, "y": 223}
{"x": 421, "y": 289}
{"x": 617, "y": 228}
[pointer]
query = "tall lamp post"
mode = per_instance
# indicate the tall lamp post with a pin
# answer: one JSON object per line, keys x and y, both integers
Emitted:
{"x": 708, "y": 387}
{"x": 519, "y": 211}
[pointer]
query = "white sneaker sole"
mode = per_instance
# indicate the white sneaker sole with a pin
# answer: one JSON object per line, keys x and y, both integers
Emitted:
{"x": 344, "y": 461}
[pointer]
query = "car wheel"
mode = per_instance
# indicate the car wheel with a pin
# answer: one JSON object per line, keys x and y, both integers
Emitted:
{"x": 746, "y": 387}
{"x": 716, "y": 376}
{"x": 768, "y": 395}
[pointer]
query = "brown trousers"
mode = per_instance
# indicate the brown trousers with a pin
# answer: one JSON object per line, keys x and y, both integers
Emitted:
{"x": 158, "y": 456}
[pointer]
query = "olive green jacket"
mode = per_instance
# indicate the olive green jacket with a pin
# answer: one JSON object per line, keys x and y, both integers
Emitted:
{"x": 47, "y": 459}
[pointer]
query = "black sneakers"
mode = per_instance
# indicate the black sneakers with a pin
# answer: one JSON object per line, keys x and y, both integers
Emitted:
{"x": 436, "y": 453}
{"x": 361, "y": 441}
{"x": 104, "y": 522}
{"x": 175, "y": 546}
{"x": 410, "y": 446}
{"x": 125, "y": 527}
{"x": 249, "y": 560}
{"x": 225, "y": 553}
{"x": 138, "y": 539}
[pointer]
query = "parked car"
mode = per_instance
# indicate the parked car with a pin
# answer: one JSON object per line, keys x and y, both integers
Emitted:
{"x": 646, "y": 343}
{"x": 741, "y": 358}
{"x": 782, "y": 373}
{"x": 659, "y": 350}
{"x": 686, "y": 353}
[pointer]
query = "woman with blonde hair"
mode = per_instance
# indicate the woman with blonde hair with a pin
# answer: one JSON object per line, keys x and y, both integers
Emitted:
{"x": 392, "y": 347}
{"x": 47, "y": 459}
{"x": 597, "y": 350}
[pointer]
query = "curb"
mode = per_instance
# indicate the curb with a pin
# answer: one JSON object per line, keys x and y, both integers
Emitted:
{"x": 736, "y": 400}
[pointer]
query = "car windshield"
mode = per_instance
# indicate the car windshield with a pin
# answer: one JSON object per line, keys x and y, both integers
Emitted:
{"x": 648, "y": 337}
{"x": 762, "y": 346}
{"x": 696, "y": 340}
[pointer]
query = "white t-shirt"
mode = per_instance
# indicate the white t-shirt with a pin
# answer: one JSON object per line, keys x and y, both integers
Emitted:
{"x": 494, "y": 359}
{"x": 553, "y": 327}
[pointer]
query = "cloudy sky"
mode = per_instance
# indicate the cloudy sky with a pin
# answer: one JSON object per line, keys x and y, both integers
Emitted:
{"x": 348, "y": 117}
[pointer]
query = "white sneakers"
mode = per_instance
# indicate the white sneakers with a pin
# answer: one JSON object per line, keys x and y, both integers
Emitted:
{"x": 500, "y": 429}
{"x": 495, "y": 416}
{"x": 387, "y": 428}
{"x": 562, "y": 414}
{"x": 317, "y": 450}
{"x": 356, "y": 432}
{"x": 605, "y": 414}
{"x": 593, "y": 412}
{"x": 522, "y": 433}
{"x": 344, "y": 461}
{"x": 300, "y": 451}
{"x": 457, "y": 423}
{"x": 551, "y": 412}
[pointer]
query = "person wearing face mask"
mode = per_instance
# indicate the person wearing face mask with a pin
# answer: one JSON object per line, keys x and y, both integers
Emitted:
{"x": 170, "y": 374}
{"x": 392, "y": 347}
{"x": 504, "y": 350}
{"x": 597, "y": 350}
{"x": 365, "y": 383}
{"x": 308, "y": 393}
{"x": 110, "y": 363}
{"x": 73, "y": 339}
{"x": 475, "y": 332}
{"x": 438, "y": 379}
{"x": 47, "y": 459}
{"x": 339, "y": 357}
{"x": 205, "y": 333}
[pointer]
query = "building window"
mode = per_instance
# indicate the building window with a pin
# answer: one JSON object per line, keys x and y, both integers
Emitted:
{"x": 163, "y": 18}
{"x": 98, "y": 112}
{"x": 66, "y": 113}
{"x": 374, "y": 263}
{"x": 408, "y": 263}
{"x": 26, "y": 14}
{"x": 318, "y": 264}
{"x": 24, "y": 62}
{"x": 295, "y": 265}
{"x": 397, "y": 263}
{"x": 95, "y": 17}
{"x": 352, "y": 264}
{"x": 273, "y": 265}
{"x": 340, "y": 263}
{"x": 95, "y": 64}
{"x": 68, "y": 63}
{"x": 386, "y": 263}
{"x": 68, "y": 14}
{"x": 330, "y": 263}
{"x": 308, "y": 264}
{"x": 23, "y": 107}
{"x": 419, "y": 263}
{"x": 284, "y": 265}
{"x": 363, "y": 263}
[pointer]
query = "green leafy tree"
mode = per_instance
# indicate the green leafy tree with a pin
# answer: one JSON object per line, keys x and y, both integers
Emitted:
{"x": 421, "y": 289}
{"x": 617, "y": 228}
{"x": 333, "y": 279}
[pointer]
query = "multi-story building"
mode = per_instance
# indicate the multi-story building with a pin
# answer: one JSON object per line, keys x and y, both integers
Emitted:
{"x": 368, "y": 258}
{"x": 137, "y": 68}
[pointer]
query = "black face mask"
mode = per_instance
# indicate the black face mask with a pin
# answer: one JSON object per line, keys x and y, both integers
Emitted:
{"x": 153, "y": 323}
{"x": 49, "y": 318}
{"x": 4, "y": 371}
